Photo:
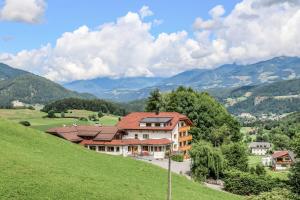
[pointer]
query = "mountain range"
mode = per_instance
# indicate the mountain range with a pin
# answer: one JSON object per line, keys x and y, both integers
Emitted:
{"x": 27, "y": 88}
{"x": 225, "y": 76}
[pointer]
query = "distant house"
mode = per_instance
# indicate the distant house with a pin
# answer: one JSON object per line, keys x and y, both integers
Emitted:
{"x": 282, "y": 160}
{"x": 259, "y": 148}
{"x": 139, "y": 133}
{"x": 267, "y": 161}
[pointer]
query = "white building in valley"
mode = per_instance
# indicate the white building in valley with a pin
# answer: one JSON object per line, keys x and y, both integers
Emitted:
{"x": 259, "y": 148}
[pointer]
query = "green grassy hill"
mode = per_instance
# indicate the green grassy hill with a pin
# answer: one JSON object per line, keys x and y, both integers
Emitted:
{"x": 34, "y": 165}
{"x": 35, "y": 117}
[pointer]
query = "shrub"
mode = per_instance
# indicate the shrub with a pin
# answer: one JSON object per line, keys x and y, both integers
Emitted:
{"x": 177, "y": 158}
{"x": 92, "y": 117}
{"x": 83, "y": 119}
{"x": 25, "y": 123}
{"x": 51, "y": 114}
{"x": 100, "y": 114}
{"x": 244, "y": 183}
{"x": 275, "y": 194}
{"x": 62, "y": 115}
{"x": 31, "y": 108}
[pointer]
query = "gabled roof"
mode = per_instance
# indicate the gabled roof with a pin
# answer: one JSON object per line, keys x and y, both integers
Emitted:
{"x": 132, "y": 121}
{"x": 74, "y": 133}
{"x": 278, "y": 154}
{"x": 264, "y": 145}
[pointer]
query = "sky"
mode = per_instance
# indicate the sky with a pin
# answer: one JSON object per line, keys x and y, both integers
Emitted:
{"x": 74, "y": 40}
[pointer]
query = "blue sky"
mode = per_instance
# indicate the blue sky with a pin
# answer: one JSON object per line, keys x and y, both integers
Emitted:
{"x": 67, "y": 40}
{"x": 66, "y": 15}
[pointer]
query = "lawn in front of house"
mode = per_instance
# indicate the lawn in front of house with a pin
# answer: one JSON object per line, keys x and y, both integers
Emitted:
{"x": 254, "y": 160}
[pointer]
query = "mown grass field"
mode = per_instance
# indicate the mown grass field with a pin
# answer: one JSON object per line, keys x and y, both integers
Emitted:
{"x": 35, "y": 117}
{"x": 254, "y": 160}
{"x": 35, "y": 165}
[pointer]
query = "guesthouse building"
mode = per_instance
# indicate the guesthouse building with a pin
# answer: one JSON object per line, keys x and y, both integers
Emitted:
{"x": 137, "y": 134}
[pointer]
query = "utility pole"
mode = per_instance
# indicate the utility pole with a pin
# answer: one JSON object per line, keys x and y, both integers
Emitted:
{"x": 169, "y": 196}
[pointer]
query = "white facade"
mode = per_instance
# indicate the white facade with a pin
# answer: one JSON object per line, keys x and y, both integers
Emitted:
{"x": 259, "y": 151}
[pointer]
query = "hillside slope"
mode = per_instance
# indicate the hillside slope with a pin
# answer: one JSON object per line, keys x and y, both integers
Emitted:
{"x": 278, "y": 97}
{"x": 34, "y": 165}
{"x": 31, "y": 89}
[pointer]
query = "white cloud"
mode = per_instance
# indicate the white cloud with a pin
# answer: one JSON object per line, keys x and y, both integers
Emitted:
{"x": 145, "y": 12}
{"x": 217, "y": 11}
{"x": 29, "y": 11}
{"x": 249, "y": 33}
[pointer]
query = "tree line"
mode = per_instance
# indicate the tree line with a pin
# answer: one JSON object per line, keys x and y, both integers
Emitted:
{"x": 218, "y": 150}
{"x": 96, "y": 105}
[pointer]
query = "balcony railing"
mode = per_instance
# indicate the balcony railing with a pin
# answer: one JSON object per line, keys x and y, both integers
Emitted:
{"x": 184, "y": 128}
{"x": 185, "y": 138}
{"x": 185, "y": 148}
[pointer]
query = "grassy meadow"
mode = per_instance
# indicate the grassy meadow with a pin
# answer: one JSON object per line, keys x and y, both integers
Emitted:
{"x": 36, "y": 165}
{"x": 35, "y": 117}
{"x": 254, "y": 160}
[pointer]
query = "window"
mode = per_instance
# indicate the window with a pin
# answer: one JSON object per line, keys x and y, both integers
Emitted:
{"x": 101, "y": 148}
{"x": 117, "y": 149}
{"x": 180, "y": 144}
{"x": 136, "y": 136}
{"x": 159, "y": 148}
{"x": 129, "y": 148}
{"x": 148, "y": 124}
{"x": 110, "y": 149}
{"x": 93, "y": 148}
{"x": 175, "y": 146}
{"x": 175, "y": 136}
{"x": 145, "y": 148}
{"x": 145, "y": 136}
{"x": 152, "y": 148}
{"x": 157, "y": 124}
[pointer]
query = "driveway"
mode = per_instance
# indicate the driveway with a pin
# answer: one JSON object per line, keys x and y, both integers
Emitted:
{"x": 182, "y": 168}
{"x": 176, "y": 167}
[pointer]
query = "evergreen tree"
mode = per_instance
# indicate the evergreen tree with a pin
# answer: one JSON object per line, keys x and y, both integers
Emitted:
{"x": 154, "y": 101}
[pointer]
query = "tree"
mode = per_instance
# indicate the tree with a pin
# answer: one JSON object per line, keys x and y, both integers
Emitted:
{"x": 294, "y": 177}
{"x": 207, "y": 161}
{"x": 260, "y": 170}
{"x": 51, "y": 114}
{"x": 280, "y": 141}
{"x": 154, "y": 101}
{"x": 206, "y": 113}
{"x": 62, "y": 114}
{"x": 236, "y": 156}
{"x": 100, "y": 114}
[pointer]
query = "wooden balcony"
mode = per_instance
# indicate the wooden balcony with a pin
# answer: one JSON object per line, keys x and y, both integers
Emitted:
{"x": 184, "y": 128}
{"x": 185, "y": 138}
{"x": 185, "y": 148}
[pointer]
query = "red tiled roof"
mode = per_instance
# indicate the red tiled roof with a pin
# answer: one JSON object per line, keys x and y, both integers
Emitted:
{"x": 73, "y": 133}
{"x": 163, "y": 141}
{"x": 132, "y": 120}
{"x": 278, "y": 154}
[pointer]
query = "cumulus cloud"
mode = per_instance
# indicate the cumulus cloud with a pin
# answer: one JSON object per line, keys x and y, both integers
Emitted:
{"x": 29, "y": 11}
{"x": 126, "y": 47}
{"x": 145, "y": 12}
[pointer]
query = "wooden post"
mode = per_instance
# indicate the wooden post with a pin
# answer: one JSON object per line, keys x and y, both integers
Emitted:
{"x": 169, "y": 196}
